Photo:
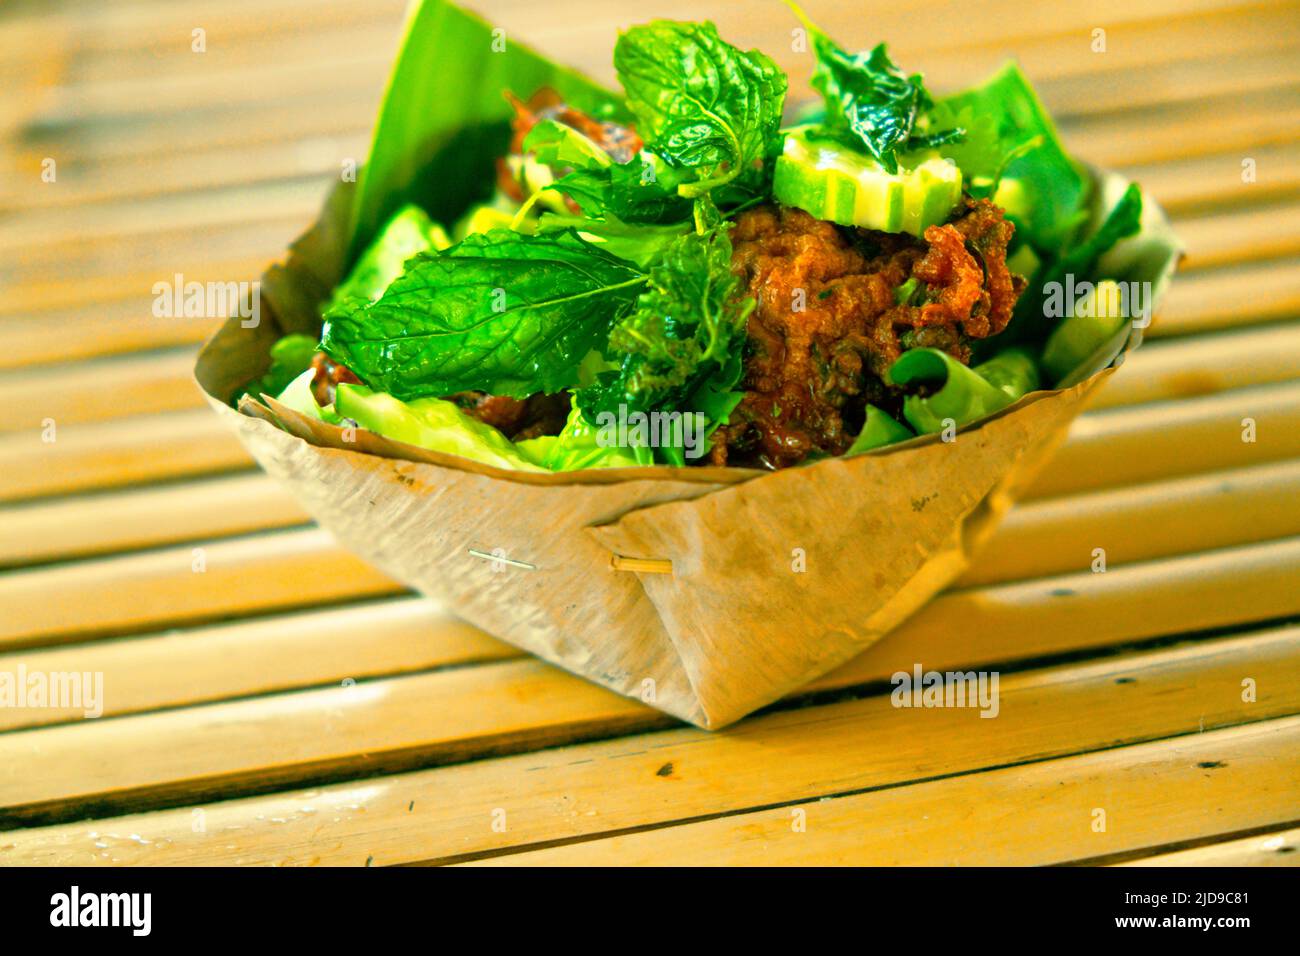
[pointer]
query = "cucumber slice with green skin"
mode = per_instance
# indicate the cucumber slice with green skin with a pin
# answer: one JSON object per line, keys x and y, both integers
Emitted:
{"x": 831, "y": 182}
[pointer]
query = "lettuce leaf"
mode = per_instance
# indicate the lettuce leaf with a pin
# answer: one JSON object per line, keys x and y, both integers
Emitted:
{"x": 579, "y": 446}
{"x": 410, "y": 231}
{"x": 429, "y": 423}
{"x": 290, "y": 356}
{"x": 1030, "y": 322}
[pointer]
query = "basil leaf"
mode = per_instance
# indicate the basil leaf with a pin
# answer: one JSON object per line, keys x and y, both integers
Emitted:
{"x": 506, "y": 313}
{"x": 680, "y": 349}
{"x": 636, "y": 242}
{"x": 870, "y": 102}
{"x": 701, "y": 104}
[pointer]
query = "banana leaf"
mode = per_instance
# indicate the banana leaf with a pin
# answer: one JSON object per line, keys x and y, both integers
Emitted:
{"x": 444, "y": 118}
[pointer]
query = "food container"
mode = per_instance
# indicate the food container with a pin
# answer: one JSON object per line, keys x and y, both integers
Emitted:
{"x": 705, "y": 592}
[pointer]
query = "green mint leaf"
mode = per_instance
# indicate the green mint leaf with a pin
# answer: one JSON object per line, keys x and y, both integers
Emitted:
{"x": 503, "y": 312}
{"x": 702, "y": 104}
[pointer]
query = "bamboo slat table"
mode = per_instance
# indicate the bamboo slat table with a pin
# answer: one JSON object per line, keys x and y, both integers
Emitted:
{"x": 285, "y": 703}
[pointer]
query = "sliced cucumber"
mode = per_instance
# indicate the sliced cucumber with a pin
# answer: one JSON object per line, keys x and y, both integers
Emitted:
{"x": 832, "y": 182}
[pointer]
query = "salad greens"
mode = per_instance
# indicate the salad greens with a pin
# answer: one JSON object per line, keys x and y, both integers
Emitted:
{"x": 870, "y": 102}
{"x": 705, "y": 108}
{"x": 611, "y": 278}
{"x": 684, "y": 334}
{"x": 430, "y": 423}
{"x": 499, "y": 311}
{"x": 290, "y": 356}
{"x": 958, "y": 394}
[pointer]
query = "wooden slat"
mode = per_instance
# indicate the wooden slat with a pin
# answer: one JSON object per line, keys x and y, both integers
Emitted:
{"x": 1165, "y": 440}
{"x": 211, "y": 580}
{"x": 1141, "y": 522}
{"x": 1148, "y": 88}
{"x": 1183, "y": 367}
{"x": 582, "y": 791}
{"x": 147, "y": 28}
{"x": 328, "y": 31}
{"x": 75, "y": 394}
{"x": 1203, "y": 182}
{"x": 280, "y": 199}
{"x": 1228, "y": 298}
{"x": 113, "y": 328}
{"x": 1273, "y": 849}
{"x": 170, "y": 248}
{"x": 258, "y": 656}
{"x": 148, "y": 516}
{"x": 1247, "y": 122}
{"x": 125, "y": 98}
{"x": 145, "y": 140}
{"x": 102, "y": 183}
{"x": 106, "y": 454}
{"x": 1149, "y": 793}
{"x": 1241, "y": 236}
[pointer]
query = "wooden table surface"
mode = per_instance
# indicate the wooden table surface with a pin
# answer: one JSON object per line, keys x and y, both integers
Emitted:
{"x": 268, "y": 698}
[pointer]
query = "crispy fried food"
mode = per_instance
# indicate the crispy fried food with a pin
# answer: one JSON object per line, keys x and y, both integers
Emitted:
{"x": 828, "y": 323}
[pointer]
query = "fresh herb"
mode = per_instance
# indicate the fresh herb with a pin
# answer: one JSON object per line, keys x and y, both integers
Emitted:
{"x": 558, "y": 145}
{"x": 680, "y": 349}
{"x": 637, "y": 192}
{"x": 702, "y": 105}
{"x": 641, "y": 243}
{"x": 506, "y": 313}
{"x": 870, "y": 102}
